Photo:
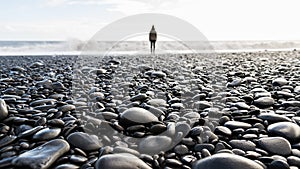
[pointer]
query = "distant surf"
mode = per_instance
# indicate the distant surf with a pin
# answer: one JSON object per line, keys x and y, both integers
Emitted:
{"x": 77, "y": 47}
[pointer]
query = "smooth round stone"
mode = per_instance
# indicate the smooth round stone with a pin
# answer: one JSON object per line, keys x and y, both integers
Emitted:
{"x": 297, "y": 89}
{"x": 67, "y": 166}
{"x": 293, "y": 161}
{"x": 7, "y": 140}
{"x": 273, "y": 117}
{"x": 154, "y": 144}
{"x": 279, "y": 164}
{"x": 200, "y": 147}
{"x": 36, "y": 64}
{"x": 192, "y": 115}
{"x": 139, "y": 97}
{"x": 46, "y": 134}
{"x": 242, "y": 144}
{"x": 202, "y": 105}
{"x": 181, "y": 149}
{"x": 177, "y": 106}
{"x": 226, "y": 161}
{"x": 84, "y": 141}
{"x": 279, "y": 82}
{"x": 120, "y": 149}
{"x": 3, "y": 109}
{"x": 158, "y": 128}
{"x": 78, "y": 159}
{"x": 108, "y": 115}
{"x": 68, "y": 107}
{"x": 236, "y": 124}
{"x": 222, "y": 130}
{"x": 156, "y": 111}
{"x": 183, "y": 127}
{"x": 264, "y": 102}
{"x": 42, "y": 157}
{"x": 137, "y": 115}
{"x": 275, "y": 145}
{"x": 120, "y": 161}
{"x": 288, "y": 130}
{"x": 157, "y": 102}
{"x": 242, "y": 105}
{"x": 158, "y": 74}
{"x": 30, "y": 132}
{"x": 56, "y": 122}
{"x": 42, "y": 101}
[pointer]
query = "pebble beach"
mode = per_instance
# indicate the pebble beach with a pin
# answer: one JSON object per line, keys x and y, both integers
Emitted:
{"x": 184, "y": 111}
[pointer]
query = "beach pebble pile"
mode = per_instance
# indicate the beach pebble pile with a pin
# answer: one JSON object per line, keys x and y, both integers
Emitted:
{"x": 185, "y": 111}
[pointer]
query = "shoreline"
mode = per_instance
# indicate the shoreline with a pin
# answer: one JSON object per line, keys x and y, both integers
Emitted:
{"x": 120, "y": 53}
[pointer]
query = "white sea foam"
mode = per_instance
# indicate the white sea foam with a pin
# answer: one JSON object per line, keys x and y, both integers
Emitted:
{"x": 76, "y": 47}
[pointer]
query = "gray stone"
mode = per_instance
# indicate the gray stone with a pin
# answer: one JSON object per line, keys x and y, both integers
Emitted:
{"x": 293, "y": 161}
{"x": 264, "y": 102}
{"x": 226, "y": 161}
{"x": 136, "y": 115}
{"x": 271, "y": 117}
{"x": 236, "y": 124}
{"x": 245, "y": 145}
{"x": 67, "y": 107}
{"x": 288, "y": 130}
{"x": 120, "y": 161}
{"x": 155, "y": 144}
{"x": 279, "y": 164}
{"x": 275, "y": 145}
{"x": 3, "y": 109}
{"x": 84, "y": 141}
{"x": 279, "y": 82}
{"x": 222, "y": 130}
{"x": 7, "y": 140}
{"x": 181, "y": 149}
{"x": 46, "y": 134}
{"x": 67, "y": 166}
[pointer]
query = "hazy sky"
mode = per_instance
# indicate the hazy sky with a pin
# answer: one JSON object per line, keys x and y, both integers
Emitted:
{"x": 216, "y": 19}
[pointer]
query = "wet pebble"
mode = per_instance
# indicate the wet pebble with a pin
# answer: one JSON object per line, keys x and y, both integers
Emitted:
{"x": 224, "y": 160}
{"x": 84, "y": 141}
{"x": 3, "y": 109}
{"x": 42, "y": 157}
{"x": 120, "y": 161}
{"x": 275, "y": 145}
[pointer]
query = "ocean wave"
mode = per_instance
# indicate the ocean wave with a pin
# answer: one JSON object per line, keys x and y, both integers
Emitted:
{"x": 74, "y": 46}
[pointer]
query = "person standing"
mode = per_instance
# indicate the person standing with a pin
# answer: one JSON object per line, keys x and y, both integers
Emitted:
{"x": 152, "y": 39}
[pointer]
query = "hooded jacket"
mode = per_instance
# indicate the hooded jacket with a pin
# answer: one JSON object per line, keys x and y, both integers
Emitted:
{"x": 152, "y": 34}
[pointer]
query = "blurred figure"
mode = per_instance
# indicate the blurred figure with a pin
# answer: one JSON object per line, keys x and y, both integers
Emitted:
{"x": 152, "y": 39}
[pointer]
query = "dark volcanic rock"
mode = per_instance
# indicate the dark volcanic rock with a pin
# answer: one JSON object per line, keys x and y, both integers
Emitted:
{"x": 137, "y": 115}
{"x": 237, "y": 124}
{"x": 46, "y": 134}
{"x": 226, "y": 161}
{"x": 245, "y": 145}
{"x": 271, "y": 117}
{"x": 3, "y": 109}
{"x": 264, "y": 102}
{"x": 43, "y": 156}
{"x": 288, "y": 130}
{"x": 84, "y": 141}
{"x": 276, "y": 145}
{"x": 120, "y": 161}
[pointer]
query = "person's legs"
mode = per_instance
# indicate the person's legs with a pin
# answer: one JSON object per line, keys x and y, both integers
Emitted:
{"x": 154, "y": 46}
{"x": 151, "y": 42}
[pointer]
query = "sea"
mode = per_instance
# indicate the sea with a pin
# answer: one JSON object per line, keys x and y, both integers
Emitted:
{"x": 77, "y": 47}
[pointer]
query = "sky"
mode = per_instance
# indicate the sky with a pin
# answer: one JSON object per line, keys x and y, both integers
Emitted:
{"x": 216, "y": 19}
